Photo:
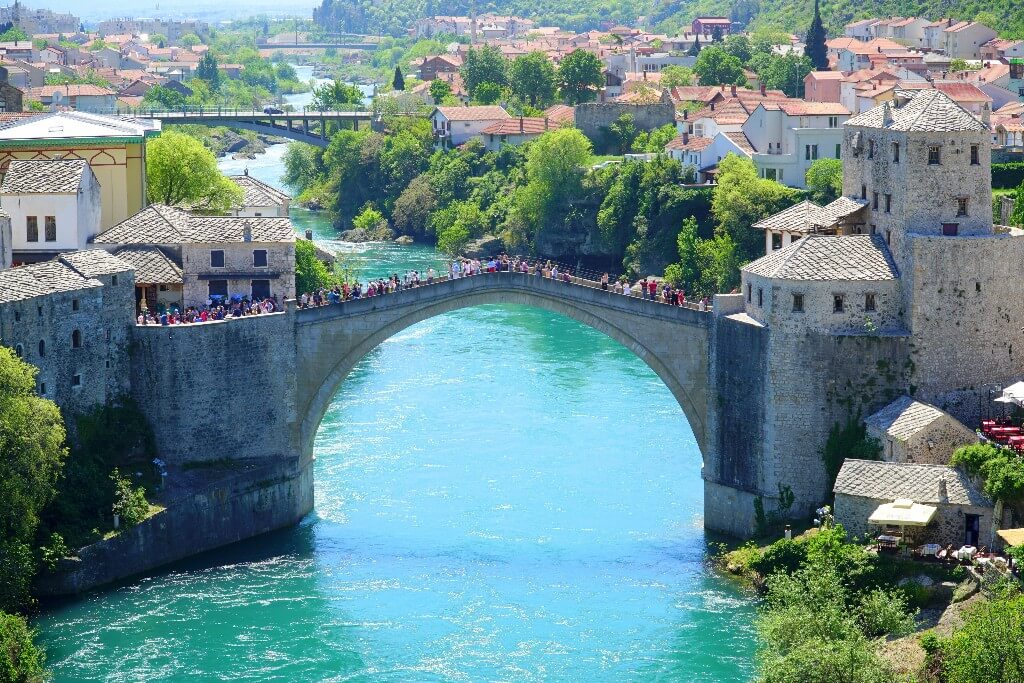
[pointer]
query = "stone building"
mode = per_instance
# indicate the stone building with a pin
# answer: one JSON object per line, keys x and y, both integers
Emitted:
{"x": 71, "y": 318}
{"x": 54, "y": 206}
{"x": 963, "y": 514}
{"x": 219, "y": 256}
{"x": 158, "y": 280}
{"x": 924, "y": 303}
{"x": 912, "y": 431}
{"x": 10, "y": 96}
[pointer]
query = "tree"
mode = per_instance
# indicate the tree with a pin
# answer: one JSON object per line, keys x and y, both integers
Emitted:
{"x": 130, "y": 504}
{"x": 440, "y": 90}
{"x": 159, "y": 97}
{"x": 716, "y": 34}
{"x": 959, "y": 64}
{"x": 207, "y": 70}
{"x": 825, "y": 180}
{"x": 331, "y": 96}
{"x": 531, "y": 78}
{"x": 715, "y": 66}
{"x": 158, "y": 39}
{"x": 738, "y": 45}
{"x": 988, "y": 646}
{"x": 20, "y": 660}
{"x": 674, "y": 76}
{"x": 554, "y": 172}
{"x": 32, "y": 443}
{"x": 814, "y": 44}
{"x": 580, "y": 77}
{"x": 13, "y": 34}
{"x": 1017, "y": 217}
{"x": 181, "y": 171}
{"x": 411, "y": 215}
{"x": 310, "y": 272}
{"x": 487, "y": 93}
{"x": 695, "y": 48}
{"x": 623, "y": 132}
{"x": 483, "y": 65}
{"x": 370, "y": 220}
{"x": 398, "y": 82}
{"x": 786, "y": 73}
{"x": 190, "y": 40}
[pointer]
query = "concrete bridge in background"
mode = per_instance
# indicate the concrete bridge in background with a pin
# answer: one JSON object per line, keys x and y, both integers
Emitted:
{"x": 313, "y": 127}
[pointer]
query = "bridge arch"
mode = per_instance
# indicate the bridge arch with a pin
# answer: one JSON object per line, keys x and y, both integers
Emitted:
{"x": 331, "y": 340}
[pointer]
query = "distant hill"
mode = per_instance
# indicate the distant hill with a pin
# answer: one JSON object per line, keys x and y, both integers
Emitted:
{"x": 394, "y": 17}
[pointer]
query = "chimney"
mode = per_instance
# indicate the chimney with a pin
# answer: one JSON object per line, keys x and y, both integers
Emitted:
{"x": 712, "y": 105}
{"x": 986, "y": 114}
{"x": 886, "y": 114}
{"x": 762, "y": 89}
{"x": 943, "y": 490}
{"x": 246, "y": 232}
{"x": 734, "y": 91}
{"x": 686, "y": 138}
{"x": 520, "y": 124}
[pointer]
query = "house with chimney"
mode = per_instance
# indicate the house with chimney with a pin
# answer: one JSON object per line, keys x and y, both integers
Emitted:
{"x": 514, "y": 131}
{"x": 454, "y": 126}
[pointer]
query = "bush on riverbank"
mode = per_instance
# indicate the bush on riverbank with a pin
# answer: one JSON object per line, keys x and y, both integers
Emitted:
{"x": 20, "y": 660}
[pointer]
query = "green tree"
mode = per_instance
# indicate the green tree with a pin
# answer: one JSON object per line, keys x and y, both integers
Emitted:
{"x": 411, "y": 215}
{"x": 741, "y": 199}
{"x": 988, "y": 646}
{"x": 158, "y": 39}
{"x": 130, "y": 504}
{"x": 15, "y": 33}
{"x": 208, "y": 71}
{"x": 580, "y": 77}
{"x": 715, "y": 66}
{"x": 815, "y": 49}
{"x": 1017, "y": 217}
{"x": 695, "y": 47}
{"x": 398, "y": 81}
{"x": 716, "y": 34}
{"x": 738, "y": 45}
{"x": 303, "y": 165}
{"x": 190, "y": 40}
{"x": 531, "y": 78}
{"x": 21, "y": 661}
{"x": 958, "y": 64}
{"x": 310, "y": 272}
{"x": 487, "y": 93}
{"x": 181, "y": 171}
{"x": 440, "y": 90}
{"x": 554, "y": 173}
{"x": 825, "y": 180}
{"x": 334, "y": 95}
{"x": 370, "y": 220}
{"x": 485, "y": 64}
{"x": 786, "y": 73}
{"x": 674, "y": 76}
{"x": 623, "y": 132}
{"x": 159, "y": 97}
{"x": 32, "y": 443}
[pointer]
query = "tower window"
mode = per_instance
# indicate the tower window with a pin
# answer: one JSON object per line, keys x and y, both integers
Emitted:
{"x": 798, "y": 303}
{"x": 863, "y": 191}
{"x": 750, "y": 293}
{"x": 888, "y": 203}
{"x": 74, "y": 304}
{"x": 19, "y": 350}
{"x": 869, "y": 302}
{"x": 874, "y": 201}
{"x": 42, "y": 348}
{"x": 760, "y": 297}
{"x": 871, "y": 149}
{"x": 76, "y": 380}
{"x": 837, "y": 303}
{"x": 961, "y": 206}
{"x": 895, "y": 152}
{"x": 975, "y": 157}
{"x": 934, "y": 155}
{"x": 76, "y": 339}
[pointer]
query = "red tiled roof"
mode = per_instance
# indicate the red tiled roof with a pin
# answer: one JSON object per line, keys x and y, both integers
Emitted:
{"x": 694, "y": 143}
{"x": 802, "y": 108}
{"x": 560, "y": 113}
{"x": 67, "y": 90}
{"x": 482, "y": 113}
{"x": 520, "y": 126}
{"x": 958, "y": 92}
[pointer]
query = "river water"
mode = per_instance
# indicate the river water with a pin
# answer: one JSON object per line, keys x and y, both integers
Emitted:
{"x": 502, "y": 494}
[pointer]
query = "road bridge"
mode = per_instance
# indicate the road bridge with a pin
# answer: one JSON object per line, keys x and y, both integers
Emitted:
{"x": 310, "y": 126}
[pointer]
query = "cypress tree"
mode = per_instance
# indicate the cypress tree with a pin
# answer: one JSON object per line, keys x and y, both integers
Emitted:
{"x": 695, "y": 48}
{"x": 814, "y": 44}
{"x": 399, "y": 81}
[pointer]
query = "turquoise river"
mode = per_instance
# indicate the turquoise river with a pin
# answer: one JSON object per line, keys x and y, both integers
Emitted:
{"x": 502, "y": 494}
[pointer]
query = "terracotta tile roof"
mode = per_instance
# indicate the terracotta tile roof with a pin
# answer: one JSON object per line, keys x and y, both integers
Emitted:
{"x": 481, "y": 113}
{"x": 928, "y": 110}
{"x": 57, "y": 176}
{"x": 958, "y": 92}
{"x": 40, "y": 279}
{"x": 694, "y": 143}
{"x": 95, "y": 262}
{"x": 828, "y": 258}
{"x": 561, "y": 113}
{"x": 827, "y": 75}
{"x": 740, "y": 139}
{"x": 84, "y": 89}
{"x": 518, "y": 126}
{"x": 889, "y": 481}
{"x": 258, "y": 193}
{"x": 803, "y": 108}
{"x": 152, "y": 266}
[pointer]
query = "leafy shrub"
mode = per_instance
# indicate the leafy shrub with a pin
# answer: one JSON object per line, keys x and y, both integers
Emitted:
{"x": 20, "y": 660}
{"x": 989, "y": 646}
{"x": 1002, "y": 469}
{"x": 828, "y": 661}
{"x": 1007, "y": 175}
{"x": 849, "y": 441}
{"x": 884, "y": 612}
{"x": 930, "y": 643}
{"x": 129, "y": 503}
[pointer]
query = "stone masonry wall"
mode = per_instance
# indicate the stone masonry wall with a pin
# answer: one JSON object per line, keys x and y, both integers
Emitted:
{"x": 218, "y": 390}
{"x": 946, "y": 528}
{"x": 593, "y": 118}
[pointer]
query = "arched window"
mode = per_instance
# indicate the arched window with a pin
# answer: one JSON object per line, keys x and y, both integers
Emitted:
{"x": 19, "y": 350}
{"x": 42, "y": 348}
{"x": 76, "y": 339}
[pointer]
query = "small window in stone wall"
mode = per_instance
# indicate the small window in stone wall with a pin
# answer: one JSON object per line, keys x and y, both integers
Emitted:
{"x": 74, "y": 304}
{"x": 76, "y": 339}
{"x": 975, "y": 157}
{"x": 961, "y": 206}
{"x": 888, "y": 236}
{"x": 798, "y": 303}
{"x": 934, "y": 155}
{"x": 776, "y": 240}
{"x": 19, "y": 350}
{"x": 895, "y": 152}
{"x": 863, "y": 191}
{"x": 113, "y": 280}
{"x": 869, "y": 303}
{"x": 76, "y": 380}
{"x": 871, "y": 149}
{"x": 837, "y": 303}
{"x": 42, "y": 348}
{"x": 259, "y": 258}
{"x": 888, "y": 203}
{"x": 17, "y": 316}
{"x": 874, "y": 201}
{"x": 42, "y": 388}
{"x": 217, "y": 258}
{"x": 760, "y": 297}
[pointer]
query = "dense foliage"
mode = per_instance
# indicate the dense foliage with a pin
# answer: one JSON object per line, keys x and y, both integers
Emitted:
{"x": 1001, "y": 469}
{"x": 21, "y": 661}
{"x": 1007, "y": 175}
{"x": 848, "y": 441}
{"x": 181, "y": 171}
{"x": 989, "y": 646}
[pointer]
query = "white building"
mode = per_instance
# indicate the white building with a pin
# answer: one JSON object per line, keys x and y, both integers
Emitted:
{"x": 54, "y": 207}
{"x": 455, "y": 125}
{"x": 789, "y": 136}
{"x": 964, "y": 39}
{"x": 1015, "y": 55}
{"x": 260, "y": 199}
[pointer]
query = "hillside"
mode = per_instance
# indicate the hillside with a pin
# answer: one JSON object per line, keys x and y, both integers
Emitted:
{"x": 394, "y": 17}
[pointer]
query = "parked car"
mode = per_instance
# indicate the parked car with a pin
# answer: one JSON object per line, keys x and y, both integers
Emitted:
{"x": 272, "y": 110}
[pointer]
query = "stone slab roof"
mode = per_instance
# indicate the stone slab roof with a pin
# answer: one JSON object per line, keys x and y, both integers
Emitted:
{"x": 888, "y": 481}
{"x": 829, "y": 258}
{"x": 95, "y": 262}
{"x": 44, "y": 176}
{"x": 161, "y": 224}
{"x": 152, "y": 266}
{"x": 40, "y": 279}
{"x": 927, "y": 110}
{"x": 258, "y": 193}
{"x": 808, "y": 217}
{"x": 905, "y": 417}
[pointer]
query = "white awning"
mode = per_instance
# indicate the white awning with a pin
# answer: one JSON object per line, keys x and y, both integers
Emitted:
{"x": 903, "y": 512}
{"x": 1013, "y": 394}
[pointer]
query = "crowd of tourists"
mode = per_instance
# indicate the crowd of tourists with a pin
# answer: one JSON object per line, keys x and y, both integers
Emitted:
{"x": 215, "y": 308}
{"x": 650, "y": 289}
